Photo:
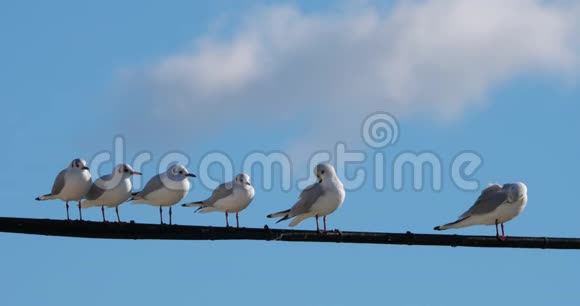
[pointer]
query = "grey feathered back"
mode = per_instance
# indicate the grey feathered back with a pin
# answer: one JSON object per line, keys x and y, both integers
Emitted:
{"x": 58, "y": 183}
{"x": 308, "y": 197}
{"x": 222, "y": 191}
{"x": 490, "y": 198}
{"x": 155, "y": 183}
{"x": 96, "y": 191}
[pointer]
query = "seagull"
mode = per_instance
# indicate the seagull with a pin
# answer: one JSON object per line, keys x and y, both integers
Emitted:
{"x": 111, "y": 190}
{"x": 319, "y": 199}
{"x": 71, "y": 184}
{"x": 165, "y": 189}
{"x": 230, "y": 197}
{"x": 497, "y": 204}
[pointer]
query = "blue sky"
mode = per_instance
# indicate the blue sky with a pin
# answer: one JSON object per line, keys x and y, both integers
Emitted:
{"x": 499, "y": 79}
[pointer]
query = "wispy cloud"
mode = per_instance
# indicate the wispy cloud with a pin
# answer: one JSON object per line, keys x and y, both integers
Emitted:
{"x": 440, "y": 57}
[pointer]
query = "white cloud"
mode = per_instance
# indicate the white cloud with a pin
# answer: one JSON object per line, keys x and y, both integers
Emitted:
{"x": 437, "y": 57}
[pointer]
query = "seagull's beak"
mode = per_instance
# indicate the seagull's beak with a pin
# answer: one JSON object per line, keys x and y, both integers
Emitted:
{"x": 191, "y": 175}
{"x": 248, "y": 183}
{"x": 137, "y": 173}
{"x": 85, "y": 168}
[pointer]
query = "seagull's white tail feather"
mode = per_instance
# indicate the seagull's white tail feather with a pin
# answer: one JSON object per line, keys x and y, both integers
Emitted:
{"x": 135, "y": 199}
{"x": 206, "y": 209}
{"x": 87, "y": 204}
{"x": 299, "y": 219}
{"x": 279, "y": 214}
{"x": 192, "y": 204}
{"x": 138, "y": 201}
{"x": 457, "y": 224}
{"x": 46, "y": 197}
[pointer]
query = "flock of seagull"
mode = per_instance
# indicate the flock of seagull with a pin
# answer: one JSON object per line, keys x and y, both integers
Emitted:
{"x": 496, "y": 205}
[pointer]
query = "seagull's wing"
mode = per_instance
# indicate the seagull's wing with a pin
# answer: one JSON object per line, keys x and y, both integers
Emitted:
{"x": 96, "y": 190}
{"x": 155, "y": 183}
{"x": 308, "y": 197}
{"x": 222, "y": 191}
{"x": 490, "y": 199}
{"x": 58, "y": 183}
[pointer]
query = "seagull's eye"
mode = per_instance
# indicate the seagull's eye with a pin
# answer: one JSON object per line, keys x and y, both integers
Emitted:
{"x": 180, "y": 172}
{"x": 126, "y": 170}
{"x": 322, "y": 172}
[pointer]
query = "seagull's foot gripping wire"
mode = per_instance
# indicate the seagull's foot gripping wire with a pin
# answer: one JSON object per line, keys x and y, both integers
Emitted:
{"x": 324, "y": 231}
{"x": 501, "y": 237}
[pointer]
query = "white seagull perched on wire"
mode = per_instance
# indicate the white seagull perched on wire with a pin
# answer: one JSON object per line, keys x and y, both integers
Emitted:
{"x": 111, "y": 190}
{"x": 317, "y": 200}
{"x": 71, "y": 184}
{"x": 497, "y": 204}
{"x": 165, "y": 189}
{"x": 230, "y": 197}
